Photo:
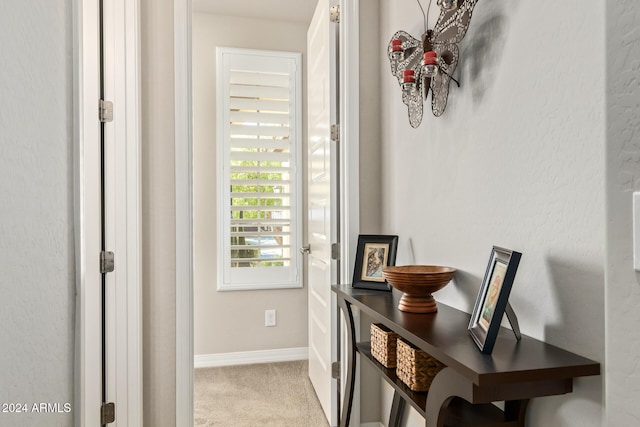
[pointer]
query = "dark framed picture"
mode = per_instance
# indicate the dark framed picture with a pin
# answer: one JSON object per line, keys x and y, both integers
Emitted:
{"x": 493, "y": 297}
{"x": 374, "y": 252}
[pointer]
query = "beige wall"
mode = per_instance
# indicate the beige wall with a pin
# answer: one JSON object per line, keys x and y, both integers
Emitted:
{"x": 233, "y": 321}
{"x": 370, "y": 174}
{"x": 370, "y": 124}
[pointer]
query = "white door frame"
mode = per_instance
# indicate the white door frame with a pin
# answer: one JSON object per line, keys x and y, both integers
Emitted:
{"x": 349, "y": 170}
{"x": 87, "y": 214}
{"x": 124, "y": 357}
{"x": 350, "y": 133}
{"x": 184, "y": 212}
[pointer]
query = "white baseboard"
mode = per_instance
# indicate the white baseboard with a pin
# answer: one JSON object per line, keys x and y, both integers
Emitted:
{"x": 250, "y": 357}
{"x": 375, "y": 424}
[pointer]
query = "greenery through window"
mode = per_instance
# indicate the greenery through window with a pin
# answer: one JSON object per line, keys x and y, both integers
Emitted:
{"x": 265, "y": 229}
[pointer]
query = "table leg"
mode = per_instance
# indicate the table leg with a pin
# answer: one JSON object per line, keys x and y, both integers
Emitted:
{"x": 446, "y": 385}
{"x": 449, "y": 384}
{"x": 515, "y": 410}
{"x": 397, "y": 408}
{"x": 351, "y": 363}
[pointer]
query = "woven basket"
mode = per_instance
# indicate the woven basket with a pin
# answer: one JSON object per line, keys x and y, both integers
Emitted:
{"x": 383, "y": 345}
{"x": 416, "y": 368}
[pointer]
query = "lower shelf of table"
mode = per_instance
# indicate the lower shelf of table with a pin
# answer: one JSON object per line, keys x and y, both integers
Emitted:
{"x": 460, "y": 413}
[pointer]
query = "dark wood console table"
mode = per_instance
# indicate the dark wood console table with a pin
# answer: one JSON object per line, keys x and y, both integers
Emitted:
{"x": 463, "y": 392}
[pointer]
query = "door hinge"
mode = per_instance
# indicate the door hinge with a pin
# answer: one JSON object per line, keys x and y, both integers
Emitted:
{"x": 106, "y": 111}
{"x": 335, "y": 133}
{"x": 335, "y": 251}
{"x": 107, "y": 413}
{"x": 107, "y": 262}
{"x": 334, "y": 14}
{"x": 335, "y": 370}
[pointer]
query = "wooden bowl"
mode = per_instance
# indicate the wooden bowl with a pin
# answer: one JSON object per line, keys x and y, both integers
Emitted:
{"x": 417, "y": 283}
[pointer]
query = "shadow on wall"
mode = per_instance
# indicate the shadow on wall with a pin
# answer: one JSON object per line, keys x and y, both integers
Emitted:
{"x": 482, "y": 48}
{"x": 578, "y": 293}
{"x": 468, "y": 286}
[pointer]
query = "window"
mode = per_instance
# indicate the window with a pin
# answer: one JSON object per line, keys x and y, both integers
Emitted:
{"x": 258, "y": 159}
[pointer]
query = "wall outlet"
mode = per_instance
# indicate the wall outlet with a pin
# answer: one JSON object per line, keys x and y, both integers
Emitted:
{"x": 269, "y": 318}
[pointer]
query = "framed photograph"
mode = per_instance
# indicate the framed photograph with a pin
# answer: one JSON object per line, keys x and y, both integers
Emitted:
{"x": 493, "y": 297}
{"x": 374, "y": 253}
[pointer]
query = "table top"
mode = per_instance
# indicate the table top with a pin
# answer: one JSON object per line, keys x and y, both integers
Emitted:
{"x": 444, "y": 335}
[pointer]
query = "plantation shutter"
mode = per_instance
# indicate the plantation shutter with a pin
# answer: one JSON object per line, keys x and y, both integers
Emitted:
{"x": 260, "y": 141}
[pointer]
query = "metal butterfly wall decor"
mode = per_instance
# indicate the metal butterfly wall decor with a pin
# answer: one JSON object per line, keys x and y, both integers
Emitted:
{"x": 429, "y": 64}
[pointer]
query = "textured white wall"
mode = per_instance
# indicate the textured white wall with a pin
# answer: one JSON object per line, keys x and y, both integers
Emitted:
{"x": 36, "y": 210}
{"x": 623, "y": 177}
{"x": 516, "y": 161}
{"x": 234, "y": 321}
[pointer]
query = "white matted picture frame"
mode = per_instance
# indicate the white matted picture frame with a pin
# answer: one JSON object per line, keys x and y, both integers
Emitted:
{"x": 493, "y": 297}
{"x": 374, "y": 252}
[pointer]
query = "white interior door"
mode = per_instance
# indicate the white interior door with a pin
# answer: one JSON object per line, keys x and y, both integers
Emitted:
{"x": 322, "y": 205}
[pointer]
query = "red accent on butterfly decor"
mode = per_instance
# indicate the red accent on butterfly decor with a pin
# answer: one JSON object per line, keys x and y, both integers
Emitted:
{"x": 430, "y": 64}
{"x": 432, "y": 60}
{"x": 397, "y": 52}
{"x": 409, "y": 82}
{"x": 408, "y": 76}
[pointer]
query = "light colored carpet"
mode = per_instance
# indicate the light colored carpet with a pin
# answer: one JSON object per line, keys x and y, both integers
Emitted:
{"x": 274, "y": 394}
